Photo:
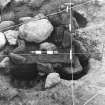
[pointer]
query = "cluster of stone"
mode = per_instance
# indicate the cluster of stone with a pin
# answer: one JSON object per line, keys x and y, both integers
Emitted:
{"x": 50, "y": 33}
{"x": 32, "y": 31}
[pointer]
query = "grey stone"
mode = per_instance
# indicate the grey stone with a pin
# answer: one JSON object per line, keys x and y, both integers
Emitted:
{"x": 52, "y": 80}
{"x": 5, "y": 62}
{"x": 44, "y": 68}
{"x": 8, "y": 15}
{"x": 39, "y": 16}
{"x": 36, "y": 3}
{"x": 12, "y": 36}
{"x": 2, "y": 40}
{"x": 3, "y": 3}
{"x": 47, "y": 46}
{"x": 5, "y": 25}
{"x": 25, "y": 19}
{"x": 36, "y": 31}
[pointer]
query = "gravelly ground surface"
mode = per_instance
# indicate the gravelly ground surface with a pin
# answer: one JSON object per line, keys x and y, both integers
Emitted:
{"x": 89, "y": 90}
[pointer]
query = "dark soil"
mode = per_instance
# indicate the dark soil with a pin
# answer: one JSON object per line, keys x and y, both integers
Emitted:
{"x": 88, "y": 90}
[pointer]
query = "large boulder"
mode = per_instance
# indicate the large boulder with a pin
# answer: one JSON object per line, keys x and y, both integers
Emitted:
{"x": 36, "y": 31}
{"x": 2, "y": 40}
{"x": 12, "y": 36}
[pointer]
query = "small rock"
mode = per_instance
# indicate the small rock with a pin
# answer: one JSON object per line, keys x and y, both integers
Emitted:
{"x": 21, "y": 1}
{"x": 8, "y": 16}
{"x": 2, "y": 40}
{"x": 25, "y": 19}
{"x": 39, "y": 16}
{"x": 5, "y": 62}
{"x": 16, "y": 58}
{"x": 23, "y": 11}
{"x": 44, "y": 68}
{"x": 3, "y": 3}
{"x": 67, "y": 39}
{"x": 36, "y": 3}
{"x": 52, "y": 79}
{"x": 99, "y": 2}
{"x": 5, "y": 25}
{"x": 36, "y": 31}
{"x": 18, "y": 0}
{"x": 47, "y": 46}
{"x": 21, "y": 46}
{"x": 12, "y": 36}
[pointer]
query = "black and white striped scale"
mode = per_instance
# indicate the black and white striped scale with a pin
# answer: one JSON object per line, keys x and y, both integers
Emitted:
{"x": 39, "y": 52}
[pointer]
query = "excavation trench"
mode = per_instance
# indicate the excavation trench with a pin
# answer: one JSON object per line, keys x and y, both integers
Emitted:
{"x": 28, "y": 76}
{"x": 23, "y": 75}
